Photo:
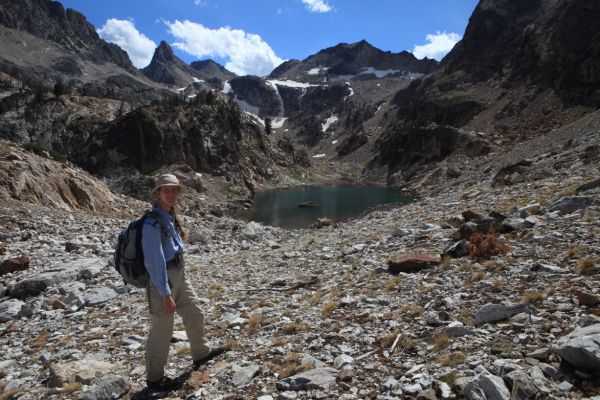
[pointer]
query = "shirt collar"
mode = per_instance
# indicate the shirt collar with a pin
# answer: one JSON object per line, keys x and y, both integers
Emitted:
{"x": 166, "y": 215}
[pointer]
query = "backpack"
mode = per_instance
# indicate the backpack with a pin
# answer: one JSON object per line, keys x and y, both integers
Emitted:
{"x": 129, "y": 255}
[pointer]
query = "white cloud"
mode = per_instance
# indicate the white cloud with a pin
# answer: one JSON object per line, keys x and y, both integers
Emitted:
{"x": 319, "y": 6}
{"x": 124, "y": 34}
{"x": 439, "y": 44}
{"x": 199, "y": 2}
{"x": 247, "y": 52}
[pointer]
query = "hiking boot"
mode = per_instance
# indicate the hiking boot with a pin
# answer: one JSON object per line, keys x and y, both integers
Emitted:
{"x": 164, "y": 384}
{"x": 212, "y": 354}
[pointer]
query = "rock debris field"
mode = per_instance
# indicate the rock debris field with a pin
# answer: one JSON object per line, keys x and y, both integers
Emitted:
{"x": 482, "y": 293}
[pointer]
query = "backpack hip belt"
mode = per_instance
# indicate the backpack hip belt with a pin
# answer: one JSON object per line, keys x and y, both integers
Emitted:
{"x": 176, "y": 262}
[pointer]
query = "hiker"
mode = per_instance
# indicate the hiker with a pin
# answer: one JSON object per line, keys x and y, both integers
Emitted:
{"x": 168, "y": 289}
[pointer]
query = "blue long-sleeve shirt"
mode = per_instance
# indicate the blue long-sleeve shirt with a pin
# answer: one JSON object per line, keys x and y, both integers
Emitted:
{"x": 157, "y": 254}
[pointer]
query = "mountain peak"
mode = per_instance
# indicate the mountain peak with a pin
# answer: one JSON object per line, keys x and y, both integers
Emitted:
{"x": 164, "y": 53}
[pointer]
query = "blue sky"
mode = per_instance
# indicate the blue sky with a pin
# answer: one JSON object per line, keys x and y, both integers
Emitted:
{"x": 254, "y": 36}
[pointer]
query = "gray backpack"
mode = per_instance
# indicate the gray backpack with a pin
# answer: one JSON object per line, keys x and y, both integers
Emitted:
{"x": 129, "y": 255}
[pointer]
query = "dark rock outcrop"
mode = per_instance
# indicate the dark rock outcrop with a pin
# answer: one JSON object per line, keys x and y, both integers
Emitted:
{"x": 351, "y": 59}
{"x": 210, "y": 70}
{"x": 256, "y": 92}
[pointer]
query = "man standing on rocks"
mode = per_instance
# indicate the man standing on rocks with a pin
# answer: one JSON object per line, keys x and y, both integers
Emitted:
{"x": 168, "y": 289}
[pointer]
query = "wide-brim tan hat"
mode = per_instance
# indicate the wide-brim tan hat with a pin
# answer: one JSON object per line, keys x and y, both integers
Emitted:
{"x": 168, "y": 180}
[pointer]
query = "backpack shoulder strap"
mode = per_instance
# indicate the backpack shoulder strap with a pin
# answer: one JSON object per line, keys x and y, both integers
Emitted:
{"x": 164, "y": 232}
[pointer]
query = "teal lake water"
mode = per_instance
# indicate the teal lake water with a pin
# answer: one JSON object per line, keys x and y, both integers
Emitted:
{"x": 280, "y": 207}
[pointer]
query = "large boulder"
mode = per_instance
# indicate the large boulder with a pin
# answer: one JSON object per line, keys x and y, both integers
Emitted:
{"x": 581, "y": 347}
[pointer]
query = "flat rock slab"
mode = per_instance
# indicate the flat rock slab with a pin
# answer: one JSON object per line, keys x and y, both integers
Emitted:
{"x": 413, "y": 262}
{"x": 54, "y": 275}
{"x": 99, "y": 295}
{"x": 581, "y": 348}
{"x": 568, "y": 205}
{"x": 106, "y": 387}
{"x": 487, "y": 387}
{"x": 243, "y": 375}
{"x": 499, "y": 312}
{"x": 14, "y": 265}
{"x": 10, "y": 309}
{"x": 318, "y": 378}
{"x": 83, "y": 371}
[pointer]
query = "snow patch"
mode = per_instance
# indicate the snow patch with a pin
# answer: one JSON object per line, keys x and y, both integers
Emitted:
{"x": 317, "y": 71}
{"x": 181, "y": 89}
{"x": 318, "y": 156}
{"x": 277, "y": 123}
{"x": 196, "y": 80}
{"x": 227, "y": 88}
{"x": 334, "y": 142}
{"x": 290, "y": 83}
{"x": 329, "y": 121}
{"x": 378, "y": 74}
{"x": 279, "y": 98}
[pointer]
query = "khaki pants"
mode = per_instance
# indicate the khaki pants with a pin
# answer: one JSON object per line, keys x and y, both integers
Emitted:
{"x": 161, "y": 328}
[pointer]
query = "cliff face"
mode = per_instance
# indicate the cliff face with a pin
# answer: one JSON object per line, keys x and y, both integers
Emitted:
{"x": 50, "y": 21}
{"x": 522, "y": 69}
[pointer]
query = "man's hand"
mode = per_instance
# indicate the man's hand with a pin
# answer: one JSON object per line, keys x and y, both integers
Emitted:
{"x": 169, "y": 304}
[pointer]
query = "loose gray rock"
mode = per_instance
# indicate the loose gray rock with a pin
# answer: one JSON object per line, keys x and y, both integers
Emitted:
{"x": 106, "y": 387}
{"x": 52, "y": 276}
{"x": 342, "y": 360}
{"x": 243, "y": 375}
{"x": 83, "y": 371}
{"x": 568, "y": 205}
{"x": 99, "y": 295}
{"x": 581, "y": 347}
{"x": 457, "y": 249}
{"x": 10, "y": 309}
{"x": 319, "y": 378}
{"x": 499, "y": 312}
{"x": 487, "y": 387}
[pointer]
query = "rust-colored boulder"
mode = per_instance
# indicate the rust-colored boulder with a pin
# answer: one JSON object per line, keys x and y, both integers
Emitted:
{"x": 14, "y": 264}
{"x": 412, "y": 262}
{"x": 585, "y": 299}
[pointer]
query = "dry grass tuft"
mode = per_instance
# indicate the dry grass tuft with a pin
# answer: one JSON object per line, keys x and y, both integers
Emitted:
{"x": 254, "y": 323}
{"x": 441, "y": 341}
{"x": 392, "y": 283}
{"x": 290, "y": 366}
{"x": 587, "y": 266}
{"x": 328, "y": 308}
{"x": 452, "y": 360}
{"x": 278, "y": 341}
{"x": 293, "y": 327}
{"x": 41, "y": 340}
{"x": 466, "y": 317}
{"x": 535, "y": 296}
{"x": 446, "y": 260}
{"x": 574, "y": 251}
{"x": 184, "y": 351}
{"x": 486, "y": 244}
{"x": 411, "y": 310}
{"x": 477, "y": 276}
{"x": 71, "y": 387}
{"x": 11, "y": 394}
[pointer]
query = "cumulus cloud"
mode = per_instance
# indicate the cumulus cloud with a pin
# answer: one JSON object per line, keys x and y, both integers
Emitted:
{"x": 319, "y": 6}
{"x": 438, "y": 45}
{"x": 247, "y": 53}
{"x": 124, "y": 34}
